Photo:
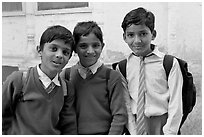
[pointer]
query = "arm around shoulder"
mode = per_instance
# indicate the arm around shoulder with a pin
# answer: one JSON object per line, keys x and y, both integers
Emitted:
{"x": 117, "y": 103}
{"x": 68, "y": 123}
{"x": 10, "y": 90}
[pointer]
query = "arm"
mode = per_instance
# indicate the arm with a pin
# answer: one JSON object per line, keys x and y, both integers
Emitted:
{"x": 117, "y": 103}
{"x": 131, "y": 125}
{"x": 67, "y": 122}
{"x": 175, "y": 109}
{"x": 9, "y": 92}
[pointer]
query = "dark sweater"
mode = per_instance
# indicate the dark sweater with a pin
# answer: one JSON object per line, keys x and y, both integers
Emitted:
{"x": 99, "y": 111}
{"x": 37, "y": 112}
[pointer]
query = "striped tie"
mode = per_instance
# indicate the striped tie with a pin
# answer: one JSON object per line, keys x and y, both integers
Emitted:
{"x": 50, "y": 87}
{"x": 88, "y": 72}
{"x": 141, "y": 100}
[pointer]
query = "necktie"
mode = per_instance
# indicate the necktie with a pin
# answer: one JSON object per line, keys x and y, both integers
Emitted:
{"x": 88, "y": 73}
{"x": 141, "y": 100}
{"x": 50, "y": 87}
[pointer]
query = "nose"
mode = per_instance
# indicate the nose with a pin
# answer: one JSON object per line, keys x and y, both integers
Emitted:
{"x": 59, "y": 54}
{"x": 137, "y": 39}
{"x": 90, "y": 50}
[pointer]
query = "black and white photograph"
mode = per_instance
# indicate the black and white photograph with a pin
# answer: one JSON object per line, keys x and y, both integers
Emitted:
{"x": 101, "y": 68}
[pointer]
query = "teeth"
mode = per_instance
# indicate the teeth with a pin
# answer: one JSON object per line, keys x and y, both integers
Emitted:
{"x": 56, "y": 62}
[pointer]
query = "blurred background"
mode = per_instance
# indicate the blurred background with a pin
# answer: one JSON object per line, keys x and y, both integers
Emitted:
{"x": 178, "y": 26}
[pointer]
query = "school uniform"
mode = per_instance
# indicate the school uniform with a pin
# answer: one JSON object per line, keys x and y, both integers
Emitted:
{"x": 100, "y": 106}
{"x": 163, "y": 99}
{"x": 37, "y": 111}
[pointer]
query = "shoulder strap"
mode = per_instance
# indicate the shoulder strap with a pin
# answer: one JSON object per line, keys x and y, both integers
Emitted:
{"x": 122, "y": 67}
{"x": 19, "y": 96}
{"x": 107, "y": 77}
{"x": 114, "y": 65}
{"x": 67, "y": 73}
{"x": 167, "y": 63}
{"x": 25, "y": 78}
{"x": 64, "y": 87}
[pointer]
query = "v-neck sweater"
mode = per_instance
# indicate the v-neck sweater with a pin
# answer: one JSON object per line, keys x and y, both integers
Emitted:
{"x": 37, "y": 112}
{"x": 99, "y": 111}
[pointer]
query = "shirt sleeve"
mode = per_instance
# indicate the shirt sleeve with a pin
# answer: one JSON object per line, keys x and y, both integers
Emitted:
{"x": 10, "y": 89}
{"x": 175, "y": 109}
{"x": 117, "y": 103}
{"x": 67, "y": 122}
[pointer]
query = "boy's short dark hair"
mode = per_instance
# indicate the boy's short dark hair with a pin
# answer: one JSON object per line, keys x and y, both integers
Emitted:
{"x": 56, "y": 32}
{"x": 84, "y": 29}
{"x": 139, "y": 16}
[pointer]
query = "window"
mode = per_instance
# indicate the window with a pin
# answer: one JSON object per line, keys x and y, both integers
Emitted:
{"x": 60, "y": 5}
{"x": 11, "y": 6}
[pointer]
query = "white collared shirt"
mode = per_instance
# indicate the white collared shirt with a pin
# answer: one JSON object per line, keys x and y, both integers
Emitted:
{"x": 162, "y": 96}
{"x": 83, "y": 71}
{"x": 46, "y": 81}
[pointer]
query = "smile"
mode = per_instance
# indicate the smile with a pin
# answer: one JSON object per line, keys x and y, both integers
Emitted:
{"x": 57, "y": 63}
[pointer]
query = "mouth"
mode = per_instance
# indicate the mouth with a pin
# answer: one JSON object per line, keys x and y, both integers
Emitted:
{"x": 90, "y": 57}
{"x": 56, "y": 63}
{"x": 137, "y": 47}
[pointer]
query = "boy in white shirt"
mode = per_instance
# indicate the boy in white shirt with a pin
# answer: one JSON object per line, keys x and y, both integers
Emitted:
{"x": 162, "y": 98}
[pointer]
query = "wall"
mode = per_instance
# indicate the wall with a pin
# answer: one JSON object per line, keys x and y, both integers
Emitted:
{"x": 178, "y": 25}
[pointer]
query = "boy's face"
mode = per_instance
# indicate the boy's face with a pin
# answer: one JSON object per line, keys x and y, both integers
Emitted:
{"x": 54, "y": 57}
{"x": 138, "y": 38}
{"x": 89, "y": 49}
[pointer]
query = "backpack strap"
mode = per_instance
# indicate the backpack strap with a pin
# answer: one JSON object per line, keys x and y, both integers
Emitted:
{"x": 67, "y": 73}
{"x": 114, "y": 65}
{"x": 122, "y": 67}
{"x": 107, "y": 77}
{"x": 64, "y": 87}
{"x": 167, "y": 63}
{"x": 19, "y": 96}
{"x": 24, "y": 79}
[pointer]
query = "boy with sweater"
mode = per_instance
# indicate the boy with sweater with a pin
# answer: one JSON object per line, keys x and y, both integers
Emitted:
{"x": 155, "y": 102}
{"x": 100, "y": 105}
{"x": 41, "y": 104}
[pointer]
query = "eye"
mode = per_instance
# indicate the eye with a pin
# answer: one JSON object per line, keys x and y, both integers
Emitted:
{"x": 143, "y": 34}
{"x": 83, "y": 46}
{"x": 54, "y": 48}
{"x": 96, "y": 45}
{"x": 66, "y": 52}
{"x": 130, "y": 35}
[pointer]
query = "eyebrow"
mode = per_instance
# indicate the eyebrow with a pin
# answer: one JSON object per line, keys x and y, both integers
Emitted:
{"x": 59, "y": 46}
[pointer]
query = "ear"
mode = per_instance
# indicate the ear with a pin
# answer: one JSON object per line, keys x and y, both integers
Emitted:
{"x": 154, "y": 34}
{"x": 124, "y": 37}
{"x": 39, "y": 50}
{"x": 103, "y": 44}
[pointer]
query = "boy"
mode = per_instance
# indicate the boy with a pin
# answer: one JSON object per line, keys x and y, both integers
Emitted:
{"x": 41, "y": 109}
{"x": 100, "y": 106}
{"x": 155, "y": 102}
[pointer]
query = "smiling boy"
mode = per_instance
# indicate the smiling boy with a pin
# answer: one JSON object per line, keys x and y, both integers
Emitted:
{"x": 155, "y": 102}
{"x": 42, "y": 105}
{"x": 100, "y": 105}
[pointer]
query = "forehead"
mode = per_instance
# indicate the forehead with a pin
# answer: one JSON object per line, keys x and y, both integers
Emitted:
{"x": 137, "y": 28}
{"x": 89, "y": 38}
{"x": 60, "y": 44}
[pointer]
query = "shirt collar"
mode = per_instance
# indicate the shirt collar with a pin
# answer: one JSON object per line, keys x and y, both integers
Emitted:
{"x": 46, "y": 80}
{"x": 93, "y": 68}
{"x": 155, "y": 52}
{"x": 83, "y": 71}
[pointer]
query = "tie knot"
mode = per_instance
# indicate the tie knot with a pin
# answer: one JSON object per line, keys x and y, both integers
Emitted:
{"x": 50, "y": 87}
{"x": 142, "y": 58}
{"x": 88, "y": 72}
